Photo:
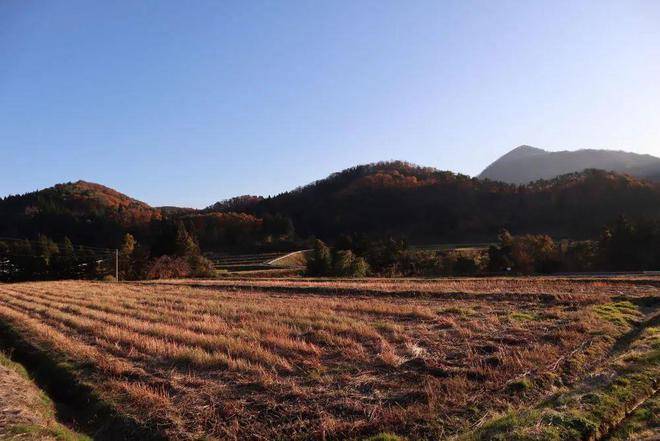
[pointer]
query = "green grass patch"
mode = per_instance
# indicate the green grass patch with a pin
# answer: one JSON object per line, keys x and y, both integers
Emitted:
{"x": 16, "y": 367}
{"x": 58, "y": 432}
{"x": 385, "y": 437}
{"x": 622, "y": 314}
{"x": 590, "y": 410}
{"x": 522, "y": 316}
{"x": 643, "y": 422}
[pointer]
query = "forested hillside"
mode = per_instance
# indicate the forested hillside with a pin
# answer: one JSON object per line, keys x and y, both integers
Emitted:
{"x": 92, "y": 214}
{"x": 385, "y": 199}
{"x": 85, "y": 212}
{"x": 424, "y": 204}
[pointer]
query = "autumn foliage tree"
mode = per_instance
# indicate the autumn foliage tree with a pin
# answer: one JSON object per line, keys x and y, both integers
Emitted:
{"x": 527, "y": 254}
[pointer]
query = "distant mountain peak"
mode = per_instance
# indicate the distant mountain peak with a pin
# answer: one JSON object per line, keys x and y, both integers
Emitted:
{"x": 525, "y": 150}
{"x": 526, "y": 164}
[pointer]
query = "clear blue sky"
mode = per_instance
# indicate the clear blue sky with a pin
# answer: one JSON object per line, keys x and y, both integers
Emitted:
{"x": 186, "y": 103}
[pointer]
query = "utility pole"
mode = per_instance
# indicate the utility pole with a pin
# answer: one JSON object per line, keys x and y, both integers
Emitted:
{"x": 117, "y": 265}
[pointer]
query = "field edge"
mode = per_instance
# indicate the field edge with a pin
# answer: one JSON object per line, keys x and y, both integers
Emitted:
{"x": 593, "y": 410}
{"x": 56, "y": 378}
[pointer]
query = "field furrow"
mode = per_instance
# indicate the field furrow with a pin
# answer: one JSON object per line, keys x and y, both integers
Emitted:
{"x": 236, "y": 361}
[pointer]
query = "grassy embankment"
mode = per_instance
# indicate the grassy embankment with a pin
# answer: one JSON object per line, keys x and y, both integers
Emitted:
{"x": 26, "y": 412}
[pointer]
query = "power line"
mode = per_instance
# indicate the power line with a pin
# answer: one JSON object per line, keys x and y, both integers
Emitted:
{"x": 99, "y": 255}
{"x": 58, "y": 253}
{"x": 37, "y": 242}
{"x": 2, "y": 254}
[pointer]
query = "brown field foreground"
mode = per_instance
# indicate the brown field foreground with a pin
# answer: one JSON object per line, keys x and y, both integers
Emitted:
{"x": 26, "y": 413}
{"x": 319, "y": 359}
{"x": 572, "y": 289}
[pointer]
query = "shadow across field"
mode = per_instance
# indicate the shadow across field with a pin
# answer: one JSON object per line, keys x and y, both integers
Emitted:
{"x": 76, "y": 404}
{"x": 548, "y": 297}
{"x": 308, "y": 359}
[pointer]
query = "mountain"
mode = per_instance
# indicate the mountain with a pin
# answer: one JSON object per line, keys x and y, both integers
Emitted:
{"x": 95, "y": 215}
{"x": 84, "y": 211}
{"x": 526, "y": 164}
{"x": 425, "y": 204}
{"x": 422, "y": 204}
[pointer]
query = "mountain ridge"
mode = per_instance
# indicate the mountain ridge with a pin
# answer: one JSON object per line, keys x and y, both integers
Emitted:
{"x": 526, "y": 164}
{"x": 428, "y": 204}
{"x": 393, "y": 198}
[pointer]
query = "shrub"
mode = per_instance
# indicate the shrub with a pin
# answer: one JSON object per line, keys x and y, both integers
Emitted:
{"x": 347, "y": 264}
{"x": 415, "y": 262}
{"x": 341, "y": 263}
{"x": 166, "y": 267}
{"x": 200, "y": 266}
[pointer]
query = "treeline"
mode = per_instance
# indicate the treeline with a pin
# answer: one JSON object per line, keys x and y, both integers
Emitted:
{"x": 622, "y": 246}
{"x": 44, "y": 259}
{"x": 355, "y": 212}
{"x": 422, "y": 205}
{"x": 231, "y": 231}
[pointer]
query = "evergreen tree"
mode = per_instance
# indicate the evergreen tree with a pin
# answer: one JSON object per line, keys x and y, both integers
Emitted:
{"x": 24, "y": 260}
{"x": 64, "y": 263}
{"x": 185, "y": 243}
{"x": 500, "y": 256}
{"x": 186, "y": 247}
{"x": 320, "y": 261}
{"x": 140, "y": 261}
{"x": 46, "y": 250}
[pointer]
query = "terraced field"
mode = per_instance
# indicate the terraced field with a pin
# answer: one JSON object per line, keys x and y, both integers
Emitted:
{"x": 323, "y": 359}
{"x": 262, "y": 261}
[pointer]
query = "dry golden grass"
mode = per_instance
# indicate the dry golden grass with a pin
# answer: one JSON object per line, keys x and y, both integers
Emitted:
{"x": 547, "y": 288}
{"x": 320, "y": 359}
{"x": 19, "y": 400}
{"x": 26, "y": 413}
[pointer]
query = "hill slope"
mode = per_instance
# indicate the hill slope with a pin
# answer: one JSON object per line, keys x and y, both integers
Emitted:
{"x": 85, "y": 212}
{"x": 396, "y": 198}
{"x": 527, "y": 164}
{"x": 425, "y": 204}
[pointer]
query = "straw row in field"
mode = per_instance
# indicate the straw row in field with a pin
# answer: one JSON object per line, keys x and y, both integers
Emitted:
{"x": 263, "y": 364}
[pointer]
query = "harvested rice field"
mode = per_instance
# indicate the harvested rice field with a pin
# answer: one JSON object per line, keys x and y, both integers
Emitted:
{"x": 321, "y": 359}
{"x": 26, "y": 413}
